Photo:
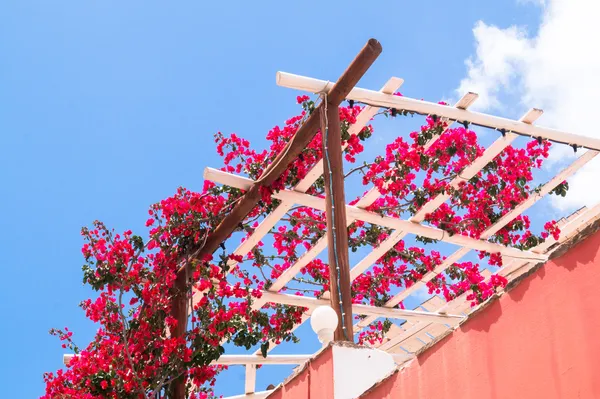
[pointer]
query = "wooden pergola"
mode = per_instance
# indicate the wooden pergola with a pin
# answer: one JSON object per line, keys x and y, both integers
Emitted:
{"x": 435, "y": 316}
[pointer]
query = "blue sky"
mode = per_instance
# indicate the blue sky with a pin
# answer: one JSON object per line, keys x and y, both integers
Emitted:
{"x": 107, "y": 107}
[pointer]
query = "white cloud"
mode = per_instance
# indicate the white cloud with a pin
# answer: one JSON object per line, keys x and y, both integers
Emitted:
{"x": 557, "y": 70}
{"x": 499, "y": 58}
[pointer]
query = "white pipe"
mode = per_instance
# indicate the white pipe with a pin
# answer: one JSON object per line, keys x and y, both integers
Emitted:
{"x": 374, "y": 98}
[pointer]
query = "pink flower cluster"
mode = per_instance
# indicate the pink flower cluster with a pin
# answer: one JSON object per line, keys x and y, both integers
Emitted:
{"x": 133, "y": 354}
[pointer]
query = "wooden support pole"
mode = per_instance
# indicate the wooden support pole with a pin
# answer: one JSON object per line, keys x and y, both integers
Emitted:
{"x": 179, "y": 312}
{"x": 337, "y": 230}
{"x": 299, "y": 142}
{"x": 295, "y": 146}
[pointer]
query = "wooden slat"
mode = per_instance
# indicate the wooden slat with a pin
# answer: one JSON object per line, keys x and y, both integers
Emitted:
{"x": 573, "y": 226}
{"x": 374, "y": 218}
{"x": 428, "y": 108}
{"x": 259, "y": 359}
{"x": 312, "y": 303}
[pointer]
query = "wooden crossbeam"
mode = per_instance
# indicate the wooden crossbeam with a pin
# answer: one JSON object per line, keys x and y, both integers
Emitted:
{"x": 243, "y": 359}
{"x": 428, "y": 108}
{"x": 259, "y": 359}
{"x": 374, "y": 218}
{"x": 403, "y": 314}
{"x": 573, "y": 226}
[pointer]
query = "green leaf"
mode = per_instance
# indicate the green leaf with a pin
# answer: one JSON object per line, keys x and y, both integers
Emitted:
{"x": 264, "y": 348}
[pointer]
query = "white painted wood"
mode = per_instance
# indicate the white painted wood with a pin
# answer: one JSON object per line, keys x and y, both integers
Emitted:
{"x": 370, "y": 197}
{"x": 371, "y": 217}
{"x": 466, "y": 101}
{"x": 250, "y": 380}
{"x": 424, "y": 107}
{"x": 255, "y": 395}
{"x": 549, "y": 186}
{"x": 363, "y": 119}
{"x": 258, "y": 359}
{"x": 244, "y": 359}
{"x": 572, "y": 227}
{"x": 312, "y": 303}
{"x": 519, "y": 209}
{"x": 67, "y": 359}
{"x": 367, "y": 200}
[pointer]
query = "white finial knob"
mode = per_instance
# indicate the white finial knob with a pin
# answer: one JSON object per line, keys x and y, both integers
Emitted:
{"x": 324, "y": 321}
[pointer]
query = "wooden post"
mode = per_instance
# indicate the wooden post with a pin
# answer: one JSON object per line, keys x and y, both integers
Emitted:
{"x": 337, "y": 230}
{"x": 355, "y": 71}
{"x": 179, "y": 312}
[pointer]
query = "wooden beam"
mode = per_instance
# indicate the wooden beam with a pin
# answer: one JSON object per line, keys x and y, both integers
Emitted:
{"x": 242, "y": 359}
{"x": 428, "y": 108}
{"x": 299, "y": 142}
{"x": 402, "y": 314}
{"x": 259, "y": 359}
{"x": 574, "y": 224}
{"x": 374, "y": 218}
{"x": 335, "y": 214}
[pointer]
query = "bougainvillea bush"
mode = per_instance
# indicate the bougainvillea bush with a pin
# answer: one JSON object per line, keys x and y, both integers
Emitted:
{"x": 134, "y": 356}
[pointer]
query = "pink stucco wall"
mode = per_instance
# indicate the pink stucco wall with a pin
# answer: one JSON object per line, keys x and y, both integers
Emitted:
{"x": 541, "y": 340}
{"x": 313, "y": 382}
